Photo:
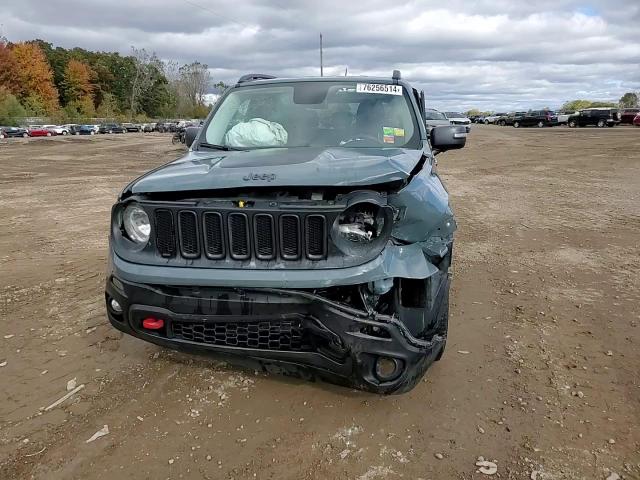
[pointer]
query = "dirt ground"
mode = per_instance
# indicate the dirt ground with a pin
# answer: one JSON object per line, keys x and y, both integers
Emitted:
{"x": 541, "y": 372}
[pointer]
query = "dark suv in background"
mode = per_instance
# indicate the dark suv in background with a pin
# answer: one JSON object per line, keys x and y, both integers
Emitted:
{"x": 509, "y": 118}
{"x": 600, "y": 117}
{"x": 538, "y": 118}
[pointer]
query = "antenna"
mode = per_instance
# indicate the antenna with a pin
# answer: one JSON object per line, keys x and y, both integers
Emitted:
{"x": 321, "y": 65}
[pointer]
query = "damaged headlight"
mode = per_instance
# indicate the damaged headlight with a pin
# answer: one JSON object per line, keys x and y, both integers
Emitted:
{"x": 136, "y": 223}
{"x": 363, "y": 225}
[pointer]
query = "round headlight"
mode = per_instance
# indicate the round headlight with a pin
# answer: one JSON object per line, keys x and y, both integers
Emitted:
{"x": 363, "y": 227}
{"x": 362, "y": 223}
{"x": 136, "y": 223}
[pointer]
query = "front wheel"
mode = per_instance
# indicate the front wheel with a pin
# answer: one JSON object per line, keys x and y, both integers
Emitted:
{"x": 572, "y": 124}
{"x": 516, "y": 124}
{"x": 25, "y": 135}
{"x": 48, "y": 134}
{"x": 540, "y": 124}
{"x": 601, "y": 123}
{"x": 64, "y": 132}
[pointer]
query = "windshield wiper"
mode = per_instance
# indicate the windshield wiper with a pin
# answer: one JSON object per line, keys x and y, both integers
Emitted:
{"x": 213, "y": 146}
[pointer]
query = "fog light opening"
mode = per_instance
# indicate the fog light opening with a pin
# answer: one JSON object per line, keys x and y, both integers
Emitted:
{"x": 115, "y": 306}
{"x": 388, "y": 369}
{"x": 151, "y": 323}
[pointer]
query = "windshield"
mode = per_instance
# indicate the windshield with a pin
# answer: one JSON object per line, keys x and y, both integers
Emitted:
{"x": 314, "y": 114}
{"x": 454, "y": 115}
{"x": 434, "y": 115}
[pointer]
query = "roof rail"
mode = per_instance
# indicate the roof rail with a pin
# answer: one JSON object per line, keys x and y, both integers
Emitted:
{"x": 250, "y": 77}
{"x": 396, "y": 75}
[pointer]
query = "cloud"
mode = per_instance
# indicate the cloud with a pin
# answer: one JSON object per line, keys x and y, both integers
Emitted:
{"x": 490, "y": 54}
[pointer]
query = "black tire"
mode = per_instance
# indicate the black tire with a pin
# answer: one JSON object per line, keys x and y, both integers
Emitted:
{"x": 540, "y": 124}
{"x": 486, "y": 122}
{"x": 572, "y": 124}
{"x": 601, "y": 124}
{"x": 516, "y": 124}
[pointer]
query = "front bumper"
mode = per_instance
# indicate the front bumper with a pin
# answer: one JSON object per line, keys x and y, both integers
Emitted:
{"x": 287, "y": 331}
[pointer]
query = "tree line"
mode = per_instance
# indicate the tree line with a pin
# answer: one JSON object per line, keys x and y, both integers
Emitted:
{"x": 38, "y": 79}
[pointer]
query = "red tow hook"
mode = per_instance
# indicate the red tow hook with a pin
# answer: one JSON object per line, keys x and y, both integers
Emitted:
{"x": 153, "y": 323}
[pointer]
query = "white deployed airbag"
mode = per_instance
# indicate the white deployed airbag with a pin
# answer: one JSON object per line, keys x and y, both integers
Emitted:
{"x": 257, "y": 132}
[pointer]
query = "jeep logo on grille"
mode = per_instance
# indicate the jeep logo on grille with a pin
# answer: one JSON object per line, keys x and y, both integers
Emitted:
{"x": 268, "y": 177}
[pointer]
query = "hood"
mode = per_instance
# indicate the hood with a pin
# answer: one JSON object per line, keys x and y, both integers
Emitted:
{"x": 207, "y": 170}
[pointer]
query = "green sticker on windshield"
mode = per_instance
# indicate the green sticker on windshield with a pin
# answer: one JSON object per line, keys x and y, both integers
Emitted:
{"x": 388, "y": 130}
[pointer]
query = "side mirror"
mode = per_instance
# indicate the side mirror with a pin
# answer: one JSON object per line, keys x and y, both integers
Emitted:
{"x": 190, "y": 135}
{"x": 448, "y": 137}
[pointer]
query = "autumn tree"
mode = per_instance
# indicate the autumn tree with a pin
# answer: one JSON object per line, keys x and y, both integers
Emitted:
{"x": 9, "y": 75}
{"x": 78, "y": 86}
{"x": 35, "y": 77}
{"x": 11, "y": 112}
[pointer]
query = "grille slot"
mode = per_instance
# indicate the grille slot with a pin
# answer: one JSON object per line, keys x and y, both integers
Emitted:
{"x": 315, "y": 237}
{"x": 264, "y": 235}
{"x": 285, "y": 335}
{"x": 290, "y": 237}
{"x": 239, "y": 236}
{"x": 213, "y": 235}
{"x": 188, "y": 229}
{"x": 165, "y": 233}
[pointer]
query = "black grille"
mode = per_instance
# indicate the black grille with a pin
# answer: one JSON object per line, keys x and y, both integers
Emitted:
{"x": 219, "y": 235}
{"x": 284, "y": 335}
{"x": 315, "y": 237}
{"x": 238, "y": 236}
{"x": 213, "y": 235}
{"x": 165, "y": 233}
{"x": 264, "y": 236}
{"x": 290, "y": 236}
{"x": 188, "y": 225}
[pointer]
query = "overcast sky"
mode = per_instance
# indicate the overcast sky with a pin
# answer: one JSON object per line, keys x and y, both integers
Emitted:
{"x": 490, "y": 54}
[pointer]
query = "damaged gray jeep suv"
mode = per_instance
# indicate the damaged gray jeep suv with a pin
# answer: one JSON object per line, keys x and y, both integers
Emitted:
{"x": 305, "y": 232}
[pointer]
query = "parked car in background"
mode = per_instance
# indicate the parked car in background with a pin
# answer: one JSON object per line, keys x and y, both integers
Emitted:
{"x": 132, "y": 127}
{"x": 636, "y": 120}
{"x": 58, "y": 129}
{"x": 510, "y": 118}
{"x": 111, "y": 128}
{"x": 493, "y": 118}
{"x": 600, "y": 117}
{"x": 457, "y": 118}
{"x": 86, "y": 130}
{"x": 40, "y": 131}
{"x": 434, "y": 118}
{"x": 628, "y": 115}
{"x": 563, "y": 117}
{"x": 13, "y": 132}
{"x": 536, "y": 118}
{"x": 148, "y": 127}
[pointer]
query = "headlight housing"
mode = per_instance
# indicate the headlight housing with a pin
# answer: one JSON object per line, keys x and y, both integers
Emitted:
{"x": 363, "y": 227}
{"x": 136, "y": 223}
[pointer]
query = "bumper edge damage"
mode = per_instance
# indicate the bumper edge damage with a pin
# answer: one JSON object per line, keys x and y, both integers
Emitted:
{"x": 303, "y": 333}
